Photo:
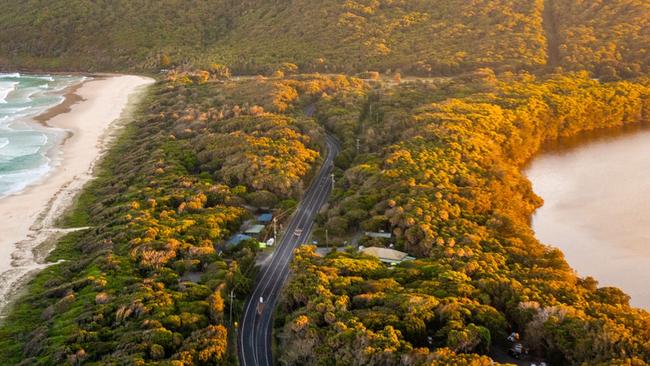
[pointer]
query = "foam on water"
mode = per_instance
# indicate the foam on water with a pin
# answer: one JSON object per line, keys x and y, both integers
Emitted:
{"x": 12, "y": 75}
{"x": 22, "y": 143}
{"x": 6, "y": 87}
{"x": 48, "y": 78}
{"x": 17, "y": 181}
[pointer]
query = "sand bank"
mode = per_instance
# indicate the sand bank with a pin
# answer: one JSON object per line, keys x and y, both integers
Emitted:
{"x": 27, "y": 218}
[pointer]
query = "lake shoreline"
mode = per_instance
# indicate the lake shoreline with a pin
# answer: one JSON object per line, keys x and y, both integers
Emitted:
{"x": 594, "y": 189}
{"x": 29, "y": 216}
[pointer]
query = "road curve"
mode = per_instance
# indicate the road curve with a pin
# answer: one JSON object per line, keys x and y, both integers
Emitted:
{"x": 254, "y": 339}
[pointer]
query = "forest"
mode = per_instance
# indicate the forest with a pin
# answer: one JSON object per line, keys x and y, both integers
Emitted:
{"x": 149, "y": 282}
{"x": 437, "y": 104}
{"x": 438, "y": 168}
{"x": 589, "y": 39}
{"x": 423, "y": 37}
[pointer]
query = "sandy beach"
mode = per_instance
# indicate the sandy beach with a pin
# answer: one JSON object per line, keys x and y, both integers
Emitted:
{"x": 90, "y": 114}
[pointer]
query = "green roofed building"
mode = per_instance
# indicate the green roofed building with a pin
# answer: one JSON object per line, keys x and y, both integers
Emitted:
{"x": 254, "y": 230}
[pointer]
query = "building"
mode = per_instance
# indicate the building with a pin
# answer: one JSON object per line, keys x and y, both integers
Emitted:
{"x": 265, "y": 218}
{"x": 254, "y": 230}
{"x": 389, "y": 256}
{"x": 238, "y": 238}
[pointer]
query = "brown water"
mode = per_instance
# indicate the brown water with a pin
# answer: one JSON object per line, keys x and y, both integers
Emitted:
{"x": 596, "y": 193}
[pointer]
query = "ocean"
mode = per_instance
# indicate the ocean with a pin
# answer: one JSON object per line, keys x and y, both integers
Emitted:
{"x": 28, "y": 149}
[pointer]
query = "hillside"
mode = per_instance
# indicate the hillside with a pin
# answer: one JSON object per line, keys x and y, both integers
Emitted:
{"x": 424, "y": 37}
{"x": 420, "y": 37}
{"x": 610, "y": 37}
{"x": 104, "y": 34}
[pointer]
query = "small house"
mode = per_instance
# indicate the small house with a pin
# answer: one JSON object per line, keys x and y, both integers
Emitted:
{"x": 254, "y": 230}
{"x": 238, "y": 238}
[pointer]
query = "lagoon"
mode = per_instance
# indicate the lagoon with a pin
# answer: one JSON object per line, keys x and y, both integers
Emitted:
{"x": 596, "y": 192}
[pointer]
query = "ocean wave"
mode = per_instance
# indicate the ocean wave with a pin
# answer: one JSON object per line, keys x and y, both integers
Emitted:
{"x": 60, "y": 88}
{"x": 17, "y": 155}
{"x": 15, "y": 110}
{"x": 35, "y": 77}
{"x": 5, "y": 89}
{"x": 22, "y": 143}
{"x": 10, "y": 76}
{"x": 17, "y": 181}
{"x": 26, "y": 149}
{"x": 21, "y": 163}
{"x": 27, "y": 95}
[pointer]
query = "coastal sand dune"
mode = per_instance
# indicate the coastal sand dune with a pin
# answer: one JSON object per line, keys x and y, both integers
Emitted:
{"x": 26, "y": 218}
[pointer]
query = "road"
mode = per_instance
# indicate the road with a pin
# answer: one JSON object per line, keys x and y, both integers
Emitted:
{"x": 254, "y": 341}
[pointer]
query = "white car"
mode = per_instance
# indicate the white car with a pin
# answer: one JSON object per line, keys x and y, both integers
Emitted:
{"x": 298, "y": 232}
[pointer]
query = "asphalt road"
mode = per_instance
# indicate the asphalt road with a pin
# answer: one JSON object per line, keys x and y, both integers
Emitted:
{"x": 254, "y": 340}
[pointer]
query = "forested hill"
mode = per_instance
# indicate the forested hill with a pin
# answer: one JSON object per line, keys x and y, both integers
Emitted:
{"x": 423, "y": 37}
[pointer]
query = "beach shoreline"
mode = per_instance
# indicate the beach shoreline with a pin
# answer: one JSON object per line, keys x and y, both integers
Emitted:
{"x": 91, "y": 113}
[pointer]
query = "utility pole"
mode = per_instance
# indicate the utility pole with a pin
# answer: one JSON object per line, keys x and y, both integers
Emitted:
{"x": 232, "y": 297}
{"x": 275, "y": 230}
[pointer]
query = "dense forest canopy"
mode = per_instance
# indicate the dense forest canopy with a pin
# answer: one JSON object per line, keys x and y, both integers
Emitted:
{"x": 609, "y": 37}
{"x": 437, "y": 168}
{"x": 150, "y": 280}
{"x": 439, "y": 171}
{"x": 423, "y": 37}
{"x": 432, "y": 158}
{"x": 101, "y": 35}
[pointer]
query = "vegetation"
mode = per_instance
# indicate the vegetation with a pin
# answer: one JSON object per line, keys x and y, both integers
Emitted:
{"x": 424, "y": 37}
{"x": 106, "y": 35}
{"x": 438, "y": 168}
{"x": 419, "y": 37}
{"x": 434, "y": 161}
{"x": 148, "y": 283}
{"x": 609, "y": 37}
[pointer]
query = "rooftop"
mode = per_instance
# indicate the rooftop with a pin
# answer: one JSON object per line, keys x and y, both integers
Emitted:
{"x": 254, "y": 229}
{"x": 267, "y": 217}
{"x": 238, "y": 238}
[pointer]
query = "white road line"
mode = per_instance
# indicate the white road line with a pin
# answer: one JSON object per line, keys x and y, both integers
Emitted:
{"x": 304, "y": 212}
{"x": 294, "y": 242}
